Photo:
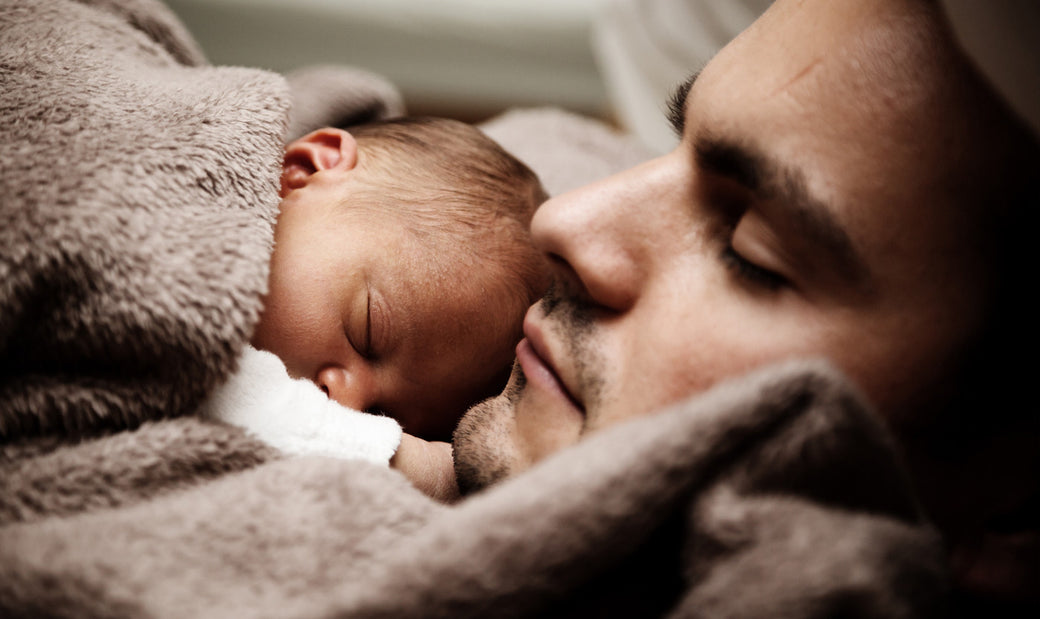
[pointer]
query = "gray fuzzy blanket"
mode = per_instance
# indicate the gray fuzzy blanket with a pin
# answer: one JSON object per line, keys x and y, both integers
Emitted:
{"x": 137, "y": 199}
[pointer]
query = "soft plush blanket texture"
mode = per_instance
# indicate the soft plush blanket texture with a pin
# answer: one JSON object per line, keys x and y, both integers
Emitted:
{"x": 138, "y": 190}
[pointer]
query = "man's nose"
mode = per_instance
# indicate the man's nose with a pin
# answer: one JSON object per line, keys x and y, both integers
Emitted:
{"x": 600, "y": 235}
{"x": 346, "y": 387}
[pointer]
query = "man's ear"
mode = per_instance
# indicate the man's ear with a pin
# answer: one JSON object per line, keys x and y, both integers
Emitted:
{"x": 324, "y": 149}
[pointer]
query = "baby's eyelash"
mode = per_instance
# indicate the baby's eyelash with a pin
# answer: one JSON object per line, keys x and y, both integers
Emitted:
{"x": 750, "y": 271}
{"x": 368, "y": 327}
{"x": 350, "y": 340}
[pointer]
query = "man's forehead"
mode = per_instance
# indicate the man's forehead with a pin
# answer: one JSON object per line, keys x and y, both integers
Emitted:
{"x": 832, "y": 86}
{"x": 875, "y": 44}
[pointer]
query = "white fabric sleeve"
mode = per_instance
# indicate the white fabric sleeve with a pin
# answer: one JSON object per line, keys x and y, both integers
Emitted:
{"x": 295, "y": 416}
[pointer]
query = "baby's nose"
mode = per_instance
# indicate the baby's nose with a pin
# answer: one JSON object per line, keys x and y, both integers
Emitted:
{"x": 344, "y": 387}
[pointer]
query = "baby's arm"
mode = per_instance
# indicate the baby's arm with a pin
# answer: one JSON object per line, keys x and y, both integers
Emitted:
{"x": 295, "y": 416}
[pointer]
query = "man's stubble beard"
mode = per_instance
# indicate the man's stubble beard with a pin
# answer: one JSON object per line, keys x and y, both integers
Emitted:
{"x": 484, "y": 445}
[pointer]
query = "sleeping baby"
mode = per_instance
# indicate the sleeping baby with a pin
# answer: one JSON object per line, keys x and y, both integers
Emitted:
{"x": 401, "y": 273}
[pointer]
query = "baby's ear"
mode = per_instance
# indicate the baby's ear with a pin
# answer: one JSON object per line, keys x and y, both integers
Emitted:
{"x": 324, "y": 149}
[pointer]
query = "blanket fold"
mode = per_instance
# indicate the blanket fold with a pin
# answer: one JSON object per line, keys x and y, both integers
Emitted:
{"x": 138, "y": 189}
{"x": 139, "y": 198}
{"x": 678, "y": 511}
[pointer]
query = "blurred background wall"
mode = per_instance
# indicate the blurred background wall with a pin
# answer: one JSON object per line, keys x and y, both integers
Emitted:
{"x": 616, "y": 60}
{"x": 468, "y": 58}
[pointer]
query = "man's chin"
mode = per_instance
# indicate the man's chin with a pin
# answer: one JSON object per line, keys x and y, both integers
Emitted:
{"x": 484, "y": 445}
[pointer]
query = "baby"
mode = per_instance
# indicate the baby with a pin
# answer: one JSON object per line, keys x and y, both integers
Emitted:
{"x": 401, "y": 273}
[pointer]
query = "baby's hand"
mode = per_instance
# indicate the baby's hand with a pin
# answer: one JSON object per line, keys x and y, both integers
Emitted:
{"x": 428, "y": 465}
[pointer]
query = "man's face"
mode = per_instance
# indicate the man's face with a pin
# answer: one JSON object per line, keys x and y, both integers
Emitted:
{"x": 808, "y": 211}
{"x": 375, "y": 317}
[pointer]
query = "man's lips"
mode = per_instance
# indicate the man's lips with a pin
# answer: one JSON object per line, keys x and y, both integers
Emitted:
{"x": 538, "y": 367}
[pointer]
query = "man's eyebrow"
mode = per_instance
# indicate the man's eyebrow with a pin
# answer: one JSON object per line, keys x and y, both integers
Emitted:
{"x": 786, "y": 187}
{"x": 677, "y": 104}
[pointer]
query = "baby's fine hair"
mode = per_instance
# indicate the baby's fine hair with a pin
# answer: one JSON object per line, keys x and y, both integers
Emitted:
{"x": 467, "y": 174}
{"x": 449, "y": 181}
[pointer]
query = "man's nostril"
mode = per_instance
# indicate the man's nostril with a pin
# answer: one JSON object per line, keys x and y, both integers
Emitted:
{"x": 325, "y": 388}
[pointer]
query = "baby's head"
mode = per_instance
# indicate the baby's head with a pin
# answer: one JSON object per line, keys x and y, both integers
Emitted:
{"x": 402, "y": 268}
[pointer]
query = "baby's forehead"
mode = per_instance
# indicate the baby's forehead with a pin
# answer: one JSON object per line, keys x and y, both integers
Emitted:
{"x": 492, "y": 262}
{"x": 477, "y": 245}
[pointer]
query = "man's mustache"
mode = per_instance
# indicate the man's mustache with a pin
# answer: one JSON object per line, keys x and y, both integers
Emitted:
{"x": 572, "y": 308}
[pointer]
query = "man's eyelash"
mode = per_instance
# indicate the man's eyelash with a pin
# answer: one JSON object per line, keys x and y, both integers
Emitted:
{"x": 750, "y": 271}
{"x": 676, "y": 105}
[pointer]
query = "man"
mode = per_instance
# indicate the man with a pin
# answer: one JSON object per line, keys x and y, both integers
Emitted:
{"x": 847, "y": 186}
